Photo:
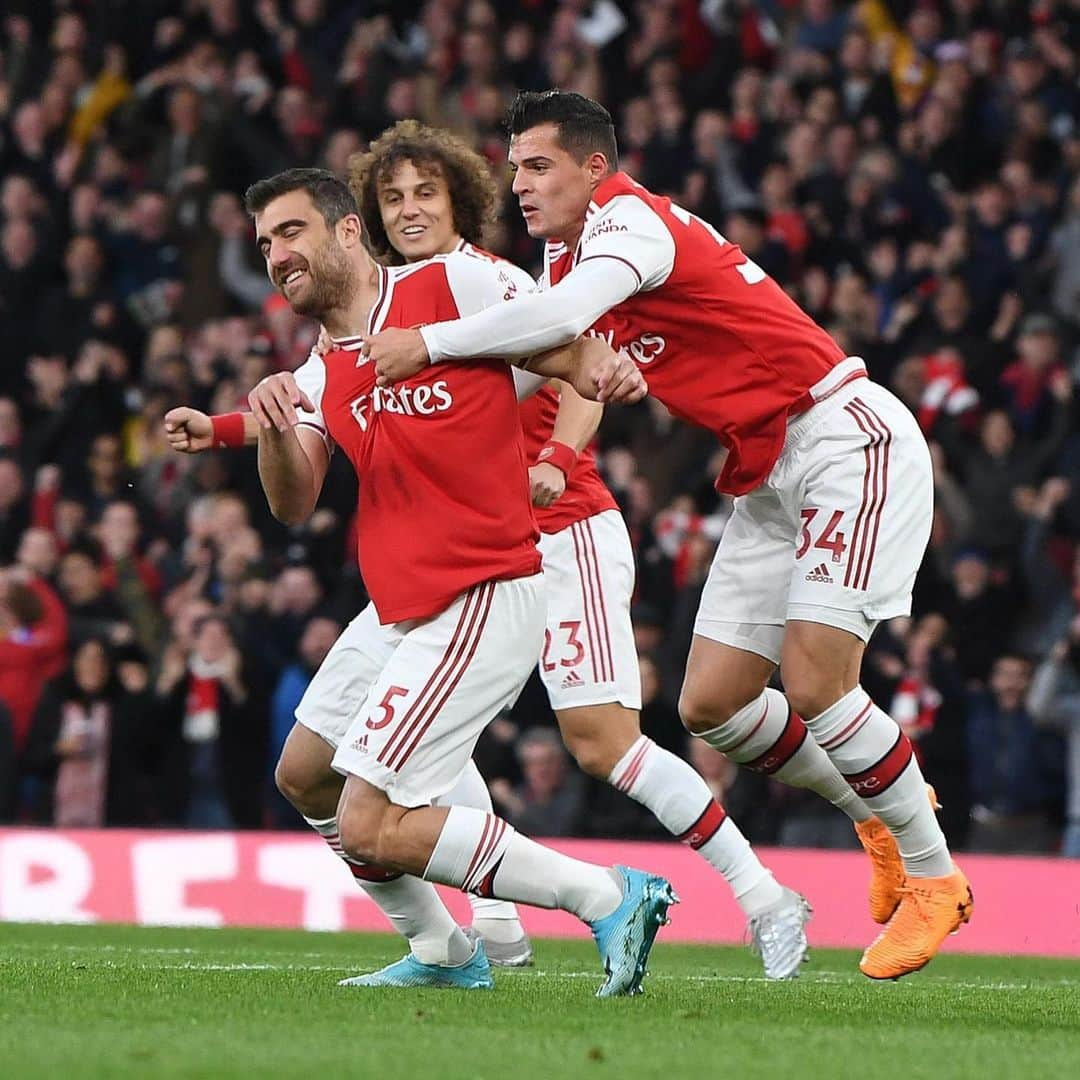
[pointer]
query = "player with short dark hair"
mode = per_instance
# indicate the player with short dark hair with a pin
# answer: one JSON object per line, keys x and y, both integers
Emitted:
{"x": 457, "y": 608}
{"x": 831, "y": 475}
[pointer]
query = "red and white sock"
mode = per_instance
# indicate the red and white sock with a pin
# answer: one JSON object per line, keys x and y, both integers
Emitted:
{"x": 877, "y": 760}
{"x": 496, "y": 920}
{"x": 683, "y": 804}
{"x": 768, "y": 737}
{"x": 412, "y": 906}
{"x": 481, "y": 853}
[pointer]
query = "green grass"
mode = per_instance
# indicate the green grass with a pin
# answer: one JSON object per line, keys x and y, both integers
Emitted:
{"x": 121, "y": 1001}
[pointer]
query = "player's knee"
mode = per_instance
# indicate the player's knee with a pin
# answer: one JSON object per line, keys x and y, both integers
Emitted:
{"x": 291, "y": 783}
{"x": 359, "y": 832}
{"x": 810, "y": 693}
{"x": 593, "y": 755}
{"x": 386, "y": 848}
{"x": 700, "y": 714}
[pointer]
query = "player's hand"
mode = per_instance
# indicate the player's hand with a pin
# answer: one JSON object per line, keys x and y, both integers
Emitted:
{"x": 546, "y": 484}
{"x": 188, "y": 431}
{"x": 275, "y": 400}
{"x": 613, "y": 376}
{"x": 396, "y": 354}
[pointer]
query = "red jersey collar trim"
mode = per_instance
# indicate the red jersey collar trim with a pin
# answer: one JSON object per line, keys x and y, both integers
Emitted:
{"x": 610, "y": 185}
{"x": 382, "y": 303}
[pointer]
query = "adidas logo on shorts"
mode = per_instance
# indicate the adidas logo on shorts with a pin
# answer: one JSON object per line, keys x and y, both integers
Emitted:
{"x": 820, "y": 573}
{"x": 572, "y": 680}
{"x": 360, "y": 744}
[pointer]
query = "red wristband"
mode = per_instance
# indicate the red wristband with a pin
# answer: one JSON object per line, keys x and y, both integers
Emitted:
{"x": 227, "y": 430}
{"x": 560, "y": 455}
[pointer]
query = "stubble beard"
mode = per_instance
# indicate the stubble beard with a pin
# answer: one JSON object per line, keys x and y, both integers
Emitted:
{"x": 333, "y": 283}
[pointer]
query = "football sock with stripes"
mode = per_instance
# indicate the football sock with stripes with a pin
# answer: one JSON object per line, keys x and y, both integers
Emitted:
{"x": 412, "y": 906}
{"x": 877, "y": 760}
{"x": 481, "y": 853}
{"x": 766, "y": 736}
{"x": 683, "y": 804}
{"x": 496, "y": 920}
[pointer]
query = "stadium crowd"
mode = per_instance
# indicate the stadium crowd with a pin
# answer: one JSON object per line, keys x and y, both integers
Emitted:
{"x": 910, "y": 172}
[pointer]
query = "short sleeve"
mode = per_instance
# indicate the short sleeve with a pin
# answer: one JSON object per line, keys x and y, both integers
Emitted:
{"x": 527, "y": 383}
{"x": 478, "y": 283}
{"x": 628, "y": 229}
{"x": 311, "y": 379}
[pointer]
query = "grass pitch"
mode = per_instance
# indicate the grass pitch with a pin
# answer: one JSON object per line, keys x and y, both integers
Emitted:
{"x": 99, "y": 1001}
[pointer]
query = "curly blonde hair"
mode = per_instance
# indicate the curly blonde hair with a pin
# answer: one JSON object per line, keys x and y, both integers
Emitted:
{"x": 432, "y": 151}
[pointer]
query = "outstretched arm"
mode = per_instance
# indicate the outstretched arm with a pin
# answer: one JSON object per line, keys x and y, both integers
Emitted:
{"x": 539, "y": 321}
{"x": 189, "y": 431}
{"x": 530, "y": 325}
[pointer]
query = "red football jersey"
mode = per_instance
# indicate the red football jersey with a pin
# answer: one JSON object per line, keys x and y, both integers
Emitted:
{"x": 720, "y": 343}
{"x": 444, "y": 497}
{"x": 586, "y": 494}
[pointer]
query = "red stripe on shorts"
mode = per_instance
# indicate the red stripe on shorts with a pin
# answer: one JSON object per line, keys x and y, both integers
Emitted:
{"x": 469, "y": 608}
{"x": 487, "y": 597}
{"x": 883, "y": 429}
{"x": 592, "y": 631}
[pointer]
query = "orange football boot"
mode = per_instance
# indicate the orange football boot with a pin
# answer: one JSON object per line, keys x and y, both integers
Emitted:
{"x": 930, "y": 909}
{"x": 886, "y": 869}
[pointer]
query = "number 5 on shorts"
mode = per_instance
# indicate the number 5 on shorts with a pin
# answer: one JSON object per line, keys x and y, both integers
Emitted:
{"x": 387, "y": 707}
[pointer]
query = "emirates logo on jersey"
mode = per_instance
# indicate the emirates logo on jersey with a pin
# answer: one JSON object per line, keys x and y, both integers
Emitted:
{"x": 423, "y": 400}
{"x": 643, "y": 350}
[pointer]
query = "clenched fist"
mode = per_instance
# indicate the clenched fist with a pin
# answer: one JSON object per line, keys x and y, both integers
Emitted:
{"x": 546, "y": 484}
{"x": 188, "y": 430}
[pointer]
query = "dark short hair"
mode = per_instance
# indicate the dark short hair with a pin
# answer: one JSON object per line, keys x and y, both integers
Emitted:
{"x": 584, "y": 126}
{"x": 330, "y": 195}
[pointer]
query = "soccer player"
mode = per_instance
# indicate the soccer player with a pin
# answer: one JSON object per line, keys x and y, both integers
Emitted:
{"x": 457, "y": 613}
{"x": 831, "y": 476}
{"x": 423, "y": 192}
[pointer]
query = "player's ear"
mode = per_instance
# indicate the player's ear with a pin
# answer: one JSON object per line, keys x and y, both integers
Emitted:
{"x": 598, "y": 166}
{"x": 350, "y": 231}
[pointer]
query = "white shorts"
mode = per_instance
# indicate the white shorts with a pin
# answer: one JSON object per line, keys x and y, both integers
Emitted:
{"x": 339, "y": 687}
{"x": 836, "y": 533}
{"x": 441, "y": 683}
{"x": 589, "y": 655}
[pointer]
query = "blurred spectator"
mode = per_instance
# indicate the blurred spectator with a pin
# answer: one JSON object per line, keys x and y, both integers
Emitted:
{"x": 1054, "y": 703}
{"x": 1008, "y": 764}
{"x": 132, "y": 577}
{"x": 92, "y": 743}
{"x": 981, "y": 614}
{"x": 551, "y": 798}
{"x": 215, "y": 731}
{"x": 14, "y": 510}
{"x": 92, "y": 612}
{"x": 316, "y": 641}
{"x": 1037, "y": 380}
{"x": 33, "y": 646}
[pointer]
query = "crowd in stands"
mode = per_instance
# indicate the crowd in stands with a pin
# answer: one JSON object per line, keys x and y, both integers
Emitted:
{"x": 909, "y": 171}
